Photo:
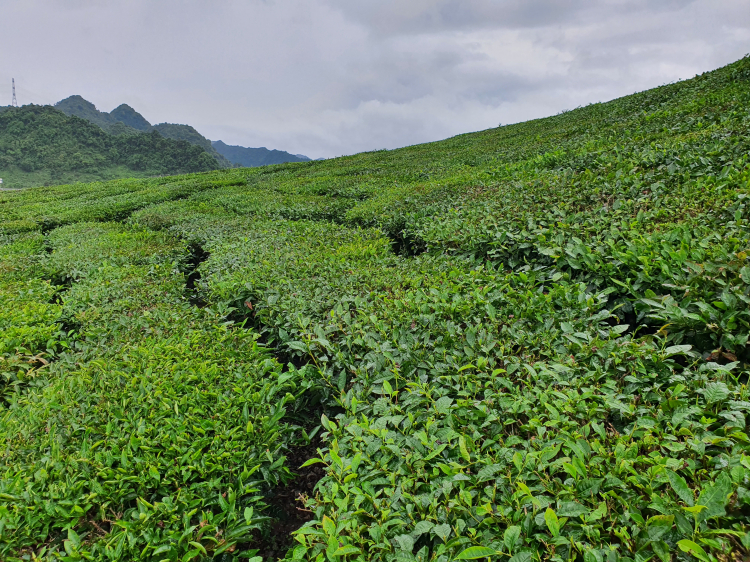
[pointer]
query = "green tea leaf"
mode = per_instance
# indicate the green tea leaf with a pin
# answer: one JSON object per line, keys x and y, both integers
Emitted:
{"x": 462, "y": 447}
{"x": 571, "y": 509}
{"x": 443, "y": 531}
{"x": 658, "y": 526}
{"x": 552, "y": 522}
{"x": 346, "y": 550}
{"x": 716, "y": 496}
{"x": 677, "y": 349}
{"x": 474, "y": 552}
{"x": 405, "y": 542}
{"x": 680, "y": 487}
{"x": 716, "y": 392}
{"x": 511, "y": 536}
{"x": 329, "y": 526}
{"x": 592, "y": 556}
{"x": 691, "y": 548}
{"x": 422, "y": 527}
{"x": 662, "y": 550}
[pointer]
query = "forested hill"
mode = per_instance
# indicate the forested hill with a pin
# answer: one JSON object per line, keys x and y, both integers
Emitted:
{"x": 130, "y": 117}
{"x": 79, "y": 107}
{"x": 189, "y": 134}
{"x": 42, "y": 146}
{"x": 126, "y": 120}
{"x": 252, "y": 157}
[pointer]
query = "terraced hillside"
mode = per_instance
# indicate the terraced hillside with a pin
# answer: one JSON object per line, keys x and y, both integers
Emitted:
{"x": 528, "y": 343}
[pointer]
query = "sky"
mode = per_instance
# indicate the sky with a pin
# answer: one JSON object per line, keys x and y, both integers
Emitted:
{"x": 327, "y": 78}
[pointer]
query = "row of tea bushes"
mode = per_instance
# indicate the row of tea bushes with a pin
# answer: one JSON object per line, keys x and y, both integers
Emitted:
{"x": 475, "y": 401}
{"x": 558, "y": 372}
{"x": 157, "y": 436}
{"x": 29, "y": 330}
{"x": 484, "y": 412}
{"x": 49, "y": 207}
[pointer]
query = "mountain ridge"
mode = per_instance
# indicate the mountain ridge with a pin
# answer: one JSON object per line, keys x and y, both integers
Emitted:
{"x": 254, "y": 157}
{"x": 40, "y": 145}
{"x": 126, "y": 120}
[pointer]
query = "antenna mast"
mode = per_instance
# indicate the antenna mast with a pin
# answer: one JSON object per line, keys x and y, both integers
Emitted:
{"x": 14, "y": 103}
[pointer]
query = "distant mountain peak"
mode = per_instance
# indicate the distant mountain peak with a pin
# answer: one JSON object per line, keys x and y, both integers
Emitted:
{"x": 78, "y": 101}
{"x": 253, "y": 157}
{"x": 126, "y": 114}
{"x": 79, "y": 107}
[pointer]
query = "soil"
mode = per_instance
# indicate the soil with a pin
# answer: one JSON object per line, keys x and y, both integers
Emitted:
{"x": 286, "y": 504}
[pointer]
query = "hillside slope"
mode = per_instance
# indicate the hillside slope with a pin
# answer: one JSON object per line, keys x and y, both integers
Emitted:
{"x": 40, "y": 145}
{"x": 130, "y": 117}
{"x": 527, "y": 343}
{"x": 189, "y": 134}
{"x": 252, "y": 157}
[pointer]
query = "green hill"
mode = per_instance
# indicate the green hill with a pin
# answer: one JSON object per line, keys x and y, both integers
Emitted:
{"x": 252, "y": 157}
{"x": 130, "y": 117}
{"x": 41, "y": 146}
{"x": 125, "y": 120}
{"x": 527, "y": 343}
{"x": 79, "y": 107}
{"x": 189, "y": 134}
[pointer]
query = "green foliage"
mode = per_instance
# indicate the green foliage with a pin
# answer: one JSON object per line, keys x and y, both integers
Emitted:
{"x": 28, "y": 319}
{"x": 124, "y": 120}
{"x": 46, "y": 208}
{"x": 528, "y": 343}
{"x": 40, "y": 145}
{"x": 79, "y": 107}
{"x": 134, "y": 434}
{"x": 189, "y": 134}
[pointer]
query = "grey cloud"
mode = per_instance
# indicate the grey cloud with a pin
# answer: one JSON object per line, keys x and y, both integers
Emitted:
{"x": 427, "y": 16}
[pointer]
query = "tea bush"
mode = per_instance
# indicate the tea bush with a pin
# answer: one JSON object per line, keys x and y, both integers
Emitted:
{"x": 526, "y": 343}
{"x": 131, "y": 448}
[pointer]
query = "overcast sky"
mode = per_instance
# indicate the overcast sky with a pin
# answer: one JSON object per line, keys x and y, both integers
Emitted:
{"x": 332, "y": 77}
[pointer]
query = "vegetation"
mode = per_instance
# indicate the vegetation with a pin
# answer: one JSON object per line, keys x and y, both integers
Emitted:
{"x": 130, "y": 117}
{"x": 40, "y": 145}
{"x": 528, "y": 343}
{"x": 189, "y": 134}
{"x": 79, "y": 164}
{"x": 124, "y": 120}
{"x": 79, "y": 107}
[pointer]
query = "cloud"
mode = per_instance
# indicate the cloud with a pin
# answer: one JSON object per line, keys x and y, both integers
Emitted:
{"x": 331, "y": 77}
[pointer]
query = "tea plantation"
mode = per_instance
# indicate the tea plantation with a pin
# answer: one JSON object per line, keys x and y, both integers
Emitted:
{"x": 525, "y": 344}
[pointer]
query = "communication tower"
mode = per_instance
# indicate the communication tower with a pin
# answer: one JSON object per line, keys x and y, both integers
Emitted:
{"x": 14, "y": 103}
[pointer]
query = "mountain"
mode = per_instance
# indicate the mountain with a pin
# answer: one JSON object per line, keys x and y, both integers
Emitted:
{"x": 124, "y": 120}
{"x": 130, "y": 117}
{"x": 253, "y": 157}
{"x": 79, "y": 107}
{"x": 40, "y": 145}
